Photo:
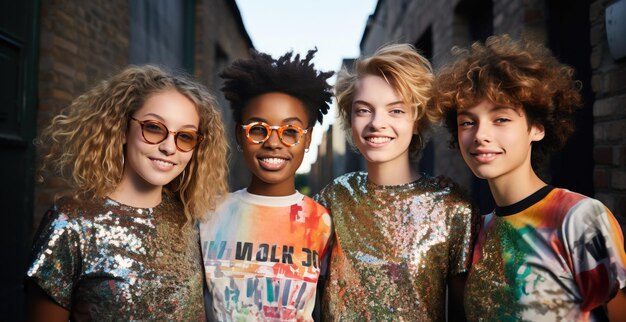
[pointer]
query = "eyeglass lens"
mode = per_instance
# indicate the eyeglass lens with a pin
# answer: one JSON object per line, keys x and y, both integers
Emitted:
{"x": 155, "y": 132}
{"x": 288, "y": 134}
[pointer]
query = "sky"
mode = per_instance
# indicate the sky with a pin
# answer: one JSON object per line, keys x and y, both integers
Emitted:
{"x": 335, "y": 27}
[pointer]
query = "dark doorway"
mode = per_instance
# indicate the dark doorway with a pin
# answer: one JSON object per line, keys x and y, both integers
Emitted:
{"x": 568, "y": 37}
{"x": 18, "y": 79}
{"x": 425, "y": 46}
{"x": 478, "y": 17}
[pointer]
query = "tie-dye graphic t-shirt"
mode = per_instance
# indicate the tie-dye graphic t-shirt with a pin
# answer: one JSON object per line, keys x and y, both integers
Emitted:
{"x": 554, "y": 256}
{"x": 262, "y": 257}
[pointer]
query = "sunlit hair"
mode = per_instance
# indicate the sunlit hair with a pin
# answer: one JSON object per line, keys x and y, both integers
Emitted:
{"x": 511, "y": 73}
{"x": 248, "y": 78}
{"x": 85, "y": 143}
{"x": 408, "y": 72}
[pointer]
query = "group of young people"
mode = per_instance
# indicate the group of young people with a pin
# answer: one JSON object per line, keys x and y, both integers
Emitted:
{"x": 150, "y": 232}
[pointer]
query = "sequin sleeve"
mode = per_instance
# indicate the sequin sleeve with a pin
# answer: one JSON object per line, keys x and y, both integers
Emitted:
{"x": 463, "y": 229}
{"x": 55, "y": 257}
{"x": 596, "y": 243}
{"x": 322, "y": 196}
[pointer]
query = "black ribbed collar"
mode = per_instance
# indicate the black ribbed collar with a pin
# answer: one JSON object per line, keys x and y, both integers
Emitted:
{"x": 524, "y": 203}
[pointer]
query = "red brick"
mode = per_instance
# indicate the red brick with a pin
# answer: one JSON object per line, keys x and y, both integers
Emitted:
{"x": 618, "y": 179}
{"x": 603, "y": 155}
{"x": 600, "y": 179}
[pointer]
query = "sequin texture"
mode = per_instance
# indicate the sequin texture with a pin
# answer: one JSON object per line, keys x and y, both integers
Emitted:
{"x": 106, "y": 261}
{"x": 394, "y": 248}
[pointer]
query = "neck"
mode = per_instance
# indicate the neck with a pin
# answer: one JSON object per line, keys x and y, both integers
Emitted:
{"x": 131, "y": 195}
{"x": 391, "y": 173}
{"x": 261, "y": 188}
{"x": 507, "y": 190}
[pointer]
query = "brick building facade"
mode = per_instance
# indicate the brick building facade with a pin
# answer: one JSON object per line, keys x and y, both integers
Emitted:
{"x": 57, "y": 50}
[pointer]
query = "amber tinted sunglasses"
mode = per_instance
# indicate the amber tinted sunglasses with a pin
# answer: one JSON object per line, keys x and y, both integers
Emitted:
{"x": 259, "y": 132}
{"x": 155, "y": 132}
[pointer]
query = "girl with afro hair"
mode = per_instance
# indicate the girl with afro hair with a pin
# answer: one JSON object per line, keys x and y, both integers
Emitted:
{"x": 263, "y": 247}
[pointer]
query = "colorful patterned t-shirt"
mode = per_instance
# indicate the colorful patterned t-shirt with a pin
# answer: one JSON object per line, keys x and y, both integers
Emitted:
{"x": 554, "y": 256}
{"x": 262, "y": 257}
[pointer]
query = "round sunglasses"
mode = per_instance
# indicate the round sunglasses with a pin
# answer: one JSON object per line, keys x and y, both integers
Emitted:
{"x": 155, "y": 132}
{"x": 259, "y": 132}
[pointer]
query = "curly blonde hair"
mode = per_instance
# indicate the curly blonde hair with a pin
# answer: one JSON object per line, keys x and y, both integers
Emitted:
{"x": 514, "y": 73}
{"x": 85, "y": 142}
{"x": 408, "y": 72}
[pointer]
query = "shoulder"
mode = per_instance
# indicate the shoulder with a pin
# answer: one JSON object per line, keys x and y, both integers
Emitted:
{"x": 314, "y": 205}
{"x": 454, "y": 195}
{"x": 343, "y": 182}
{"x": 225, "y": 207}
{"x": 348, "y": 179}
{"x": 341, "y": 186}
{"x": 576, "y": 207}
{"x": 74, "y": 209}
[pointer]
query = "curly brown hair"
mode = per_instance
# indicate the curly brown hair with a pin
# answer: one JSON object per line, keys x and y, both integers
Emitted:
{"x": 519, "y": 74}
{"x": 85, "y": 142}
{"x": 408, "y": 72}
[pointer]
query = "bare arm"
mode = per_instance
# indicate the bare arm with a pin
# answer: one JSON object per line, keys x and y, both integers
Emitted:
{"x": 616, "y": 308}
{"x": 40, "y": 307}
{"x": 456, "y": 287}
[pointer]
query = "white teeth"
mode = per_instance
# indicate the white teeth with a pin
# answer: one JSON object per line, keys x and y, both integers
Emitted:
{"x": 273, "y": 160}
{"x": 163, "y": 163}
{"x": 486, "y": 154}
{"x": 378, "y": 140}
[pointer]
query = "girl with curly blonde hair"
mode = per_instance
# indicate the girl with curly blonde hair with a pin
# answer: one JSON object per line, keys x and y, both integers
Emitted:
{"x": 400, "y": 239}
{"x": 145, "y": 155}
{"x": 544, "y": 253}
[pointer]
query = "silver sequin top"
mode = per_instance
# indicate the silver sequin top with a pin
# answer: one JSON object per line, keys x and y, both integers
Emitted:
{"x": 394, "y": 248}
{"x": 106, "y": 261}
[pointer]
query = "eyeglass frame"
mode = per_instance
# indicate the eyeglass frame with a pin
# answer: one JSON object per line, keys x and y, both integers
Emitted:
{"x": 271, "y": 128}
{"x": 200, "y": 137}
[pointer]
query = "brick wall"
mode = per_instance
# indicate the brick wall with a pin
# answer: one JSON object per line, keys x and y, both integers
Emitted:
{"x": 609, "y": 112}
{"x": 81, "y": 43}
{"x": 219, "y": 41}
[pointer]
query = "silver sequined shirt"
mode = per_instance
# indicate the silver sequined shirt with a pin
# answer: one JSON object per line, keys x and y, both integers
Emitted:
{"x": 394, "y": 248}
{"x": 106, "y": 261}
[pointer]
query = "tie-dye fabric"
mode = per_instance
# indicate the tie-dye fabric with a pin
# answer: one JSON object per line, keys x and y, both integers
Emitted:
{"x": 554, "y": 256}
{"x": 395, "y": 247}
{"x": 262, "y": 257}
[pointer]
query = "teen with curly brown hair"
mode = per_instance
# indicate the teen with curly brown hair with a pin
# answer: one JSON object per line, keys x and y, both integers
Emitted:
{"x": 400, "y": 239}
{"x": 263, "y": 247}
{"x": 144, "y": 153}
{"x": 544, "y": 253}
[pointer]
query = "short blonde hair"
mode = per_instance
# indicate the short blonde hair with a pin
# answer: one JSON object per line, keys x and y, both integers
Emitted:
{"x": 408, "y": 72}
{"x": 85, "y": 142}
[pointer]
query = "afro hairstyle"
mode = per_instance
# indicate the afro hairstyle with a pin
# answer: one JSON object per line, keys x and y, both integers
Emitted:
{"x": 246, "y": 79}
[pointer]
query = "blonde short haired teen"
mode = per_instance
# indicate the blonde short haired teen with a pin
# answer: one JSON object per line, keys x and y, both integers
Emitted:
{"x": 144, "y": 153}
{"x": 400, "y": 240}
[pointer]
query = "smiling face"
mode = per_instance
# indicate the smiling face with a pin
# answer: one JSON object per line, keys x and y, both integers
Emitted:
{"x": 382, "y": 126}
{"x": 151, "y": 166}
{"x": 495, "y": 142}
{"x": 272, "y": 163}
